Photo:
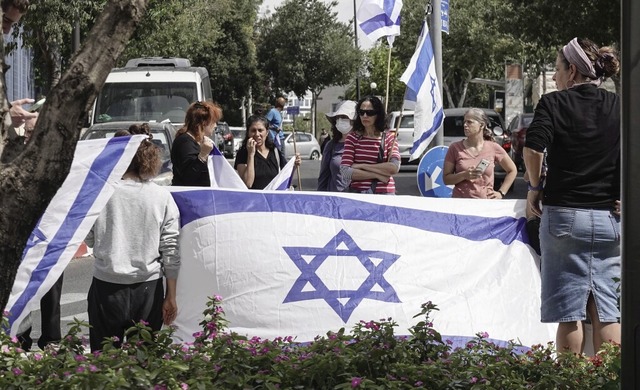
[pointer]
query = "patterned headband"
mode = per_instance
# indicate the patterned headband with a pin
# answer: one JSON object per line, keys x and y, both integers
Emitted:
{"x": 576, "y": 56}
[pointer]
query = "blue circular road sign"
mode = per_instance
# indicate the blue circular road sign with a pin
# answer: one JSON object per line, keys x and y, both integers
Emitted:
{"x": 430, "y": 181}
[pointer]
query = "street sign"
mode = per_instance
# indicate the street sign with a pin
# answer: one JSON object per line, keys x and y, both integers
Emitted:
{"x": 293, "y": 110}
{"x": 444, "y": 11}
{"x": 430, "y": 178}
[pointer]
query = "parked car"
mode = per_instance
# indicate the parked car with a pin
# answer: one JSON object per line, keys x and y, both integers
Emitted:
{"x": 224, "y": 139}
{"x": 518, "y": 129}
{"x": 238, "y": 137}
{"x": 163, "y": 136}
{"x": 306, "y": 144}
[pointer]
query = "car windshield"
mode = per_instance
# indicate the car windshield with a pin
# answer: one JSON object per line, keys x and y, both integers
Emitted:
{"x": 159, "y": 138}
{"x": 407, "y": 122}
{"x": 144, "y": 102}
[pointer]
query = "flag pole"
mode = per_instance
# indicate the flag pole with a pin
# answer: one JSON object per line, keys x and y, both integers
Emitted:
{"x": 427, "y": 11}
{"x": 386, "y": 99}
{"x": 295, "y": 152}
{"x": 355, "y": 35}
{"x": 436, "y": 41}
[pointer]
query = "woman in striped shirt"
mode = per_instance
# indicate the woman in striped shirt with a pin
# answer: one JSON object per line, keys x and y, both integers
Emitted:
{"x": 370, "y": 156}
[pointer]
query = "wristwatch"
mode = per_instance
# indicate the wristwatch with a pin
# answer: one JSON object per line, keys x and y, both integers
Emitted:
{"x": 500, "y": 192}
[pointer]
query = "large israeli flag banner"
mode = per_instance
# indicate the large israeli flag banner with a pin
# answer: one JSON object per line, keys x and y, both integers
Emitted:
{"x": 301, "y": 264}
{"x": 97, "y": 167}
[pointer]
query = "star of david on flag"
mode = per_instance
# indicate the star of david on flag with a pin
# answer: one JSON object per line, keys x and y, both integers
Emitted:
{"x": 342, "y": 246}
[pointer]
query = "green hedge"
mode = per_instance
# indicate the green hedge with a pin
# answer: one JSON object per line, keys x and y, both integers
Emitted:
{"x": 370, "y": 357}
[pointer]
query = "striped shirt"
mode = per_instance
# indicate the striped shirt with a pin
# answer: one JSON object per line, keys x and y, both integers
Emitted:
{"x": 359, "y": 149}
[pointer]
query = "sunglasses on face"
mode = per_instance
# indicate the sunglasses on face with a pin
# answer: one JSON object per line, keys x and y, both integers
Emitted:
{"x": 367, "y": 112}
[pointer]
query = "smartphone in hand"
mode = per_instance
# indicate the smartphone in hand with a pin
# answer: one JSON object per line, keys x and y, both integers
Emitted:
{"x": 482, "y": 165}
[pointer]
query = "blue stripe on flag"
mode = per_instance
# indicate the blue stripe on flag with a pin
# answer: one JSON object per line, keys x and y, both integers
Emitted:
{"x": 377, "y": 22}
{"x": 419, "y": 75}
{"x": 95, "y": 181}
{"x": 215, "y": 152}
{"x": 198, "y": 204}
{"x": 434, "y": 128}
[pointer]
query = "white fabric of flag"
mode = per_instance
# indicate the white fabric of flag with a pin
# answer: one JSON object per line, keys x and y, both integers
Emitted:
{"x": 423, "y": 90}
{"x": 282, "y": 181}
{"x": 221, "y": 173}
{"x": 301, "y": 264}
{"x": 97, "y": 168}
{"x": 380, "y": 18}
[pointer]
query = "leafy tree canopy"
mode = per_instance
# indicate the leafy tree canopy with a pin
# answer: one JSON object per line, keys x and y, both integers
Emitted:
{"x": 303, "y": 47}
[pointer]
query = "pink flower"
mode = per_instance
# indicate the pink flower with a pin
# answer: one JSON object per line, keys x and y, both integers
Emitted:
{"x": 79, "y": 358}
{"x": 355, "y": 382}
{"x": 80, "y": 369}
{"x": 184, "y": 386}
{"x": 37, "y": 357}
{"x": 473, "y": 380}
{"x": 16, "y": 371}
{"x": 93, "y": 368}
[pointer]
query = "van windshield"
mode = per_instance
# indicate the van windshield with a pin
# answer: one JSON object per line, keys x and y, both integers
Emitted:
{"x": 144, "y": 102}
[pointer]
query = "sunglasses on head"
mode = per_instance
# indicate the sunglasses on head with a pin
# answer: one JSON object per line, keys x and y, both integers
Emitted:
{"x": 367, "y": 112}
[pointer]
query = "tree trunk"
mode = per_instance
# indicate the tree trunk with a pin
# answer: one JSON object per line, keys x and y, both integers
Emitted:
{"x": 28, "y": 183}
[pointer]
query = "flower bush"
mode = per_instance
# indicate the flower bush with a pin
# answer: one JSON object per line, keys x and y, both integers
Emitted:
{"x": 370, "y": 357}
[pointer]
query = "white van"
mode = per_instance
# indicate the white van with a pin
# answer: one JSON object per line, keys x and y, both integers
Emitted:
{"x": 151, "y": 89}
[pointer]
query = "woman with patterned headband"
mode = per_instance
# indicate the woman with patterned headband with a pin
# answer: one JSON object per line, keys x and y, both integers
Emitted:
{"x": 579, "y": 126}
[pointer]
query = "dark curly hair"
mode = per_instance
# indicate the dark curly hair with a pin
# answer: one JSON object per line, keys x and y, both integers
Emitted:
{"x": 147, "y": 161}
{"x": 604, "y": 59}
{"x": 268, "y": 142}
{"x": 379, "y": 124}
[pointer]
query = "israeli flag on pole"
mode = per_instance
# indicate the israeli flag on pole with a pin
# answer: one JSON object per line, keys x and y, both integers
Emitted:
{"x": 340, "y": 258}
{"x": 379, "y": 18}
{"x": 282, "y": 181}
{"x": 221, "y": 173}
{"x": 423, "y": 90}
{"x": 98, "y": 166}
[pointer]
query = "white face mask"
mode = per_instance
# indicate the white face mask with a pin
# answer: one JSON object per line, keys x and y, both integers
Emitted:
{"x": 343, "y": 125}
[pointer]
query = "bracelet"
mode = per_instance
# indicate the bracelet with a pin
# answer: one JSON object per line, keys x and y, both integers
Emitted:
{"x": 500, "y": 192}
{"x": 204, "y": 160}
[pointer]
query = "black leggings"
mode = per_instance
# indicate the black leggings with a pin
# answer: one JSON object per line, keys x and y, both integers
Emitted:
{"x": 114, "y": 308}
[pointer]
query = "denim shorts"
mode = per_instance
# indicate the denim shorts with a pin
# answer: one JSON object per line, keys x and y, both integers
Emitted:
{"x": 580, "y": 256}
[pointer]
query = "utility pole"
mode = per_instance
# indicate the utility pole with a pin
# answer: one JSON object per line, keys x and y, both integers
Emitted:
{"x": 436, "y": 40}
{"x": 630, "y": 121}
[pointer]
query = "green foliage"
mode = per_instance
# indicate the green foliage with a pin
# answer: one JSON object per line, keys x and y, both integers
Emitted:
{"x": 371, "y": 356}
{"x": 48, "y": 28}
{"x": 217, "y": 35}
{"x": 302, "y": 47}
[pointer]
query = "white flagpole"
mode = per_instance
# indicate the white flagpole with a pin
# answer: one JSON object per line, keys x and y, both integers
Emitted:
{"x": 436, "y": 40}
{"x": 386, "y": 99}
